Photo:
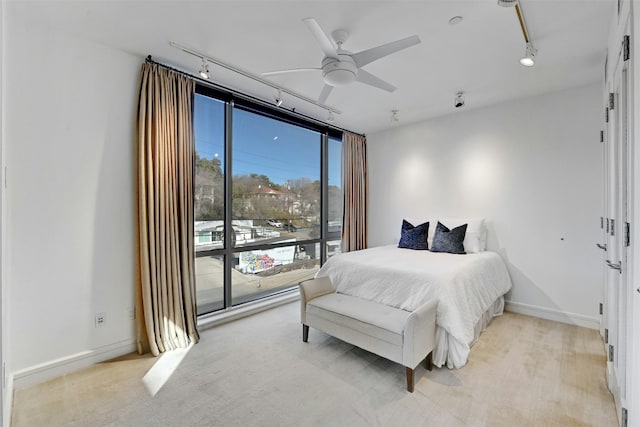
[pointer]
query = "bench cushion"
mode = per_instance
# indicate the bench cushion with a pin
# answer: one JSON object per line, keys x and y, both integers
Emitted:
{"x": 369, "y": 318}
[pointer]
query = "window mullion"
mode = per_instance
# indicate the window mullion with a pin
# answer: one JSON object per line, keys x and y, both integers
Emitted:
{"x": 324, "y": 190}
{"x": 228, "y": 203}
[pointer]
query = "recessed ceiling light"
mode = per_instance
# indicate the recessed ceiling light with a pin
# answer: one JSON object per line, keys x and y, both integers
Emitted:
{"x": 455, "y": 20}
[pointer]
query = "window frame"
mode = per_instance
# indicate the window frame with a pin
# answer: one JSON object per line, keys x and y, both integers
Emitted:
{"x": 227, "y": 252}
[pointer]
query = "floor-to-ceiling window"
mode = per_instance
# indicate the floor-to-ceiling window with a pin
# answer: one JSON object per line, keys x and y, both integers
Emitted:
{"x": 268, "y": 200}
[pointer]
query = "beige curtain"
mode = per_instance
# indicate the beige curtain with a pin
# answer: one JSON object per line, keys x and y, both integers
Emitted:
{"x": 356, "y": 192}
{"x": 166, "y": 285}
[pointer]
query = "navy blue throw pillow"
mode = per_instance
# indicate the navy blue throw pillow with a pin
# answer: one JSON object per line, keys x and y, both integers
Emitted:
{"x": 414, "y": 237}
{"x": 450, "y": 241}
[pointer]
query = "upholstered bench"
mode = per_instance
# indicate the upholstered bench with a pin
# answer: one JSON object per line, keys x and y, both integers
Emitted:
{"x": 401, "y": 336}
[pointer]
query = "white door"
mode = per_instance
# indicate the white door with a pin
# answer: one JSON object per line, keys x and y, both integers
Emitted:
{"x": 612, "y": 275}
{"x": 618, "y": 175}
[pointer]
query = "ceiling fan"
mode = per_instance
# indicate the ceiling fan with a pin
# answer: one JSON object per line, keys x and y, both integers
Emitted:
{"x": 340, "y": 67}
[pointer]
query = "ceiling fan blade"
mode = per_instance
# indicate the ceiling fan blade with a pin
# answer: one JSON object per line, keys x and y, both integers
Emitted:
{"x": 367, "y": 56}
{"x": 292, "y": 70}
{"x": 370, "y": 79}
{"x": 327, "y": 45}
{"x": 326, "y": 90}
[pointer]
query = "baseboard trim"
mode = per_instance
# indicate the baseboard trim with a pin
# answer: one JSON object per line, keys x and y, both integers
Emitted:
{"x": 65, "y": 365}
{"x": 555, "y": 315}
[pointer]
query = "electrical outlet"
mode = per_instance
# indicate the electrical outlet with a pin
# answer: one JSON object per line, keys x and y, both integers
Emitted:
{"x": 101, "y": 319}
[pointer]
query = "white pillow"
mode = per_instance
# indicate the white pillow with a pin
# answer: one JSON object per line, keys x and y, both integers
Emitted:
{"x": 483, "y": 238}
{"x": 475, "y": 239}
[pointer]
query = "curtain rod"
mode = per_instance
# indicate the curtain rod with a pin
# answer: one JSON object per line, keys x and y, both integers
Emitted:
{"x": 248, "y": 97}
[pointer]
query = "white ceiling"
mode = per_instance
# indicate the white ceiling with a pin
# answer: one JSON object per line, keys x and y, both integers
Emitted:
{"x": 478, "y": 56}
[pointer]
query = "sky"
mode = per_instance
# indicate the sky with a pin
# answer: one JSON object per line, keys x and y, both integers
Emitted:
{"x": 262, "y": 145}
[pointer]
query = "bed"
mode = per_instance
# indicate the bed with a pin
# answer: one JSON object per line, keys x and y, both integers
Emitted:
{"x": 469, "y": 288}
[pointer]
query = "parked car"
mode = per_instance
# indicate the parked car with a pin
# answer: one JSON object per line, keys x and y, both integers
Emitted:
{"x": 290, "y": 227}
{"x": 274, "y": 223}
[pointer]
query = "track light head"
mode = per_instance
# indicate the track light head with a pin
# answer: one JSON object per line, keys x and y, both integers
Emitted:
{"x": 279, "y": 99}
{"x": 459, "y": 100}
{"x": 204, "y": 70}
{"x": 394, "y": 116}
{"x": 331, "y": 118}
{"x": 528, "y": 60}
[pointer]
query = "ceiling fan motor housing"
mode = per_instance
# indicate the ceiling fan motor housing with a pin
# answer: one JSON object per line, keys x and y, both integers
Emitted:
{"x": 339, "y": 72}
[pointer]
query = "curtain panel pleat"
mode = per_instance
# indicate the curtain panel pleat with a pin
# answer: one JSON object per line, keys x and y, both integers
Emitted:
{"x": 356, "y": 192}
{"x": 165, "y": 303}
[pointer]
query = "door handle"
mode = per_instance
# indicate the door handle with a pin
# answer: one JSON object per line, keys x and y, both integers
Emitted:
{"x": 603, "y": 247}
{"x": 617, "y": 266}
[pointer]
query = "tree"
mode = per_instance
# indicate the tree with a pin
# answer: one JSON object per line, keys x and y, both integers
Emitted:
{"x": 209, "y": 189}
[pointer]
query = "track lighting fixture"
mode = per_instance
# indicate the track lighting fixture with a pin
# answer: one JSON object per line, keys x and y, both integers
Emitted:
{"x": 279, "y": 98}
{"x": 331, "y": 118}
{"x": 459, "y": 100}
{"x": 394, "y": 116}
{"x": 528, "y": 60}
{"x": 530, "y": 53}
{"x": 204, "y": 70}
{"x": 204, "y": 73}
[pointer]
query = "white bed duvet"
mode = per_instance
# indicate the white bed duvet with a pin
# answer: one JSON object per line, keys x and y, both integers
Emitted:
{"x": 466, "y": 286}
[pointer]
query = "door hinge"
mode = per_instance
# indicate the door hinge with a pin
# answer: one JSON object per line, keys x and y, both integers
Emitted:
{"x": 610, "y": 353}
{"x": 625, "y": 48}
{"x": 607, "y": 229}
{"x": 627, "y": 234}
{"x": 625, "y": 417}
{"x": 601, "y": 222}
{"x": 613, "y": 227}
{"x": 600, "y": 308}
{"x": 612, "y": 101}
{"x": 606, "y": 115}
{"x": 606, "y": 336}
{"x": 601, "y": 136}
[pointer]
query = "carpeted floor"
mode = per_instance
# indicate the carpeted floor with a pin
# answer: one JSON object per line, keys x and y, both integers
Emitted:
{"x": 257, "y": 371}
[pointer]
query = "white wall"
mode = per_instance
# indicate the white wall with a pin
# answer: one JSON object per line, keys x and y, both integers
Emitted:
{"x": 4, "y": 403}
{"x": 531, "y": 167}
{"x": 70, "y": 111}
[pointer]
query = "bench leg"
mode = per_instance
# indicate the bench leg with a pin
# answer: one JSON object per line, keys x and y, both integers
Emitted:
{"x": 305, "y": 333}
{"x": 428, "y": 362}
{"x": 410, "y": 377}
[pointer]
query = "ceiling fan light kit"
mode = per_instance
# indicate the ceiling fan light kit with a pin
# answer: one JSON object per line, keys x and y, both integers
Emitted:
{"x": 339, "y": 72}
